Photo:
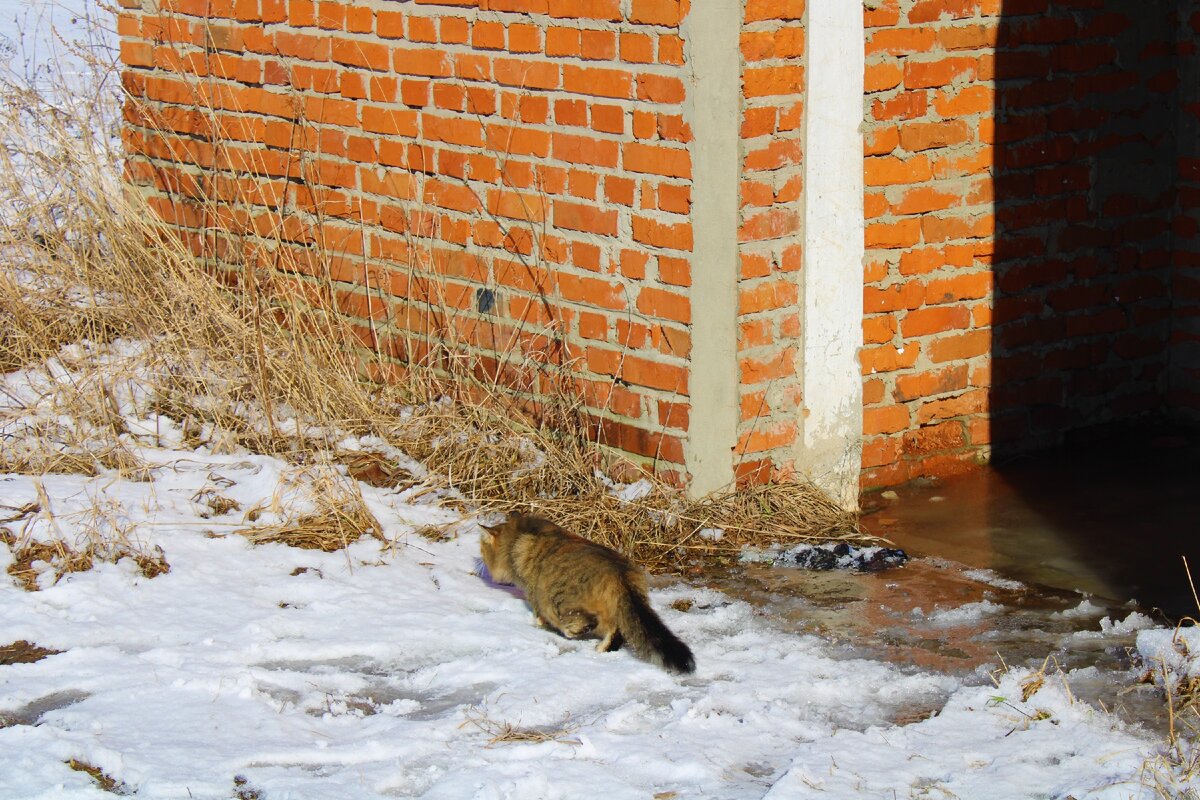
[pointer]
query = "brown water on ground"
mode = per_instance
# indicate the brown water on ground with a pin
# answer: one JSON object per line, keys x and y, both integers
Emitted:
{"x": 1016, "y": 563}
{"x": 1112, "y": 519}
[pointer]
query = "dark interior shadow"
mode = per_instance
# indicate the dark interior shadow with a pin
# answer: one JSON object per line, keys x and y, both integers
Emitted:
{"x": 1121, "y": 510}
{"x": 1087, "y": 109}
{"x": 1092, "y": 469}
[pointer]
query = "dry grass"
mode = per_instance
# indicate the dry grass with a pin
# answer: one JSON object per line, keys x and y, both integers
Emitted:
{"x": 510, "y": 465}
{"x": 244, "y": 790}
{"x": 100, "y": 537}
{"x": 273, "y": 368}
{"x": 23, "y": 652}
{"x": 102, "y": 779}
{"x": 1173, "y": 774}
{"x": 339, "y": 516}
{"x": 507, "y": 733}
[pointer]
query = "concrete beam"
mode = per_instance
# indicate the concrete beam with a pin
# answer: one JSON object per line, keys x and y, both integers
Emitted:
{"x": 711, "y": 32}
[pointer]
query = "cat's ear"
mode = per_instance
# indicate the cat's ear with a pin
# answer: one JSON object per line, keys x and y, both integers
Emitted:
{"x": 489, "y": 534}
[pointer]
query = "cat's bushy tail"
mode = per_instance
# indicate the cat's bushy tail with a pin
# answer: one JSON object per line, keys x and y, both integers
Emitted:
{"x": 650, "y": 638}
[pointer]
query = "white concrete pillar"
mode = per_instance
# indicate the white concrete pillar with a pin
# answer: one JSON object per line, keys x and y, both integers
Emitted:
{"x": 830, "y": 449}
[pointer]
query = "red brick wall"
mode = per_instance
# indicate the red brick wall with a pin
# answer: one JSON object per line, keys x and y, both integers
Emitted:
{"x": 499, "y": 175}
{"x": 1020, "y": 182}
{"x": 772, "y": 44}
{"x": 514, "y": 178}
{"x": 1185, "y": 363}
{"x": 928, "y": 279}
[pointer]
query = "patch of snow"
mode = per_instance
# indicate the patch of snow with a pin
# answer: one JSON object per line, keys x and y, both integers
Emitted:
{"x": 388, "y": 670}
{"x": 1171, "y": 652}
{"x": 961, "y": 615}
{"x": 634, "y": 491}
{"x": 992, "y": 578}
{"x": 1086, "y": 608}
{"x": 1136, "y": 621}
{"x": 626, "y": 492}
{"x": 1059, "y": 748}
{"x": 391, "y": 668}
{"x": 1109, "y": 628}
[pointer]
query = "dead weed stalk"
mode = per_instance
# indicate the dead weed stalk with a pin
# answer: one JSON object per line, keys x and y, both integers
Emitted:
{"x": 335, "y": 515}
{"x": 1173, "y": 773}
{"x": 507, "y": 733}
{"x": 40, "y": 547}
{"x": 275, "y": 365}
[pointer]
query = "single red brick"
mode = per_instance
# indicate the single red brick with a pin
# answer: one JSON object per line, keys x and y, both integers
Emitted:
{"x": 486, "y": 35}
{"x": 960, "y": 346}
{"x": 598, "y": 45}
{"x": 884, "y": 419}
{"x": 656, "y": 234}
{"x": 659, "y": 12}
{"x": 928, "y": 74}
{"x": 609, "y": 10}
{"x": 660, "y": 89}
{"x": 890, "y": 170}
{"x": 917, "y": 136}
{"x": 564, "y": 42}
{"x": 662, "y": 304}
{"x": 756, "y": 370}
{"x": 654, "y": 160}
{"x": 579, "y": 217}
{"x": 637, "y": 48}
{"x": 598, "y": 81}
{"x": 524, "y": 38}
{"x": 608, "y": 119}
{"x": 888, "y": 358}
{"x": 772, "y": 81}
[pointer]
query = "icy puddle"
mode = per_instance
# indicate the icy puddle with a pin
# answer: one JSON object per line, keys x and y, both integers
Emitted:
{"x": 936, "y": 615}
{"x": 1062, "y": 556}
{"x": 931, "y": 614}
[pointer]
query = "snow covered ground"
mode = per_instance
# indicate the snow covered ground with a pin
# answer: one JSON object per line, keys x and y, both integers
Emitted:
{"x": 394, "y": 669}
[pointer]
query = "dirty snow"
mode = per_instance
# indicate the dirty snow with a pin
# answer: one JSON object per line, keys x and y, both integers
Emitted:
{"x": 1086, "y": 608}
{"x": 991, "y": 578}
{"x": 960, "y": 614}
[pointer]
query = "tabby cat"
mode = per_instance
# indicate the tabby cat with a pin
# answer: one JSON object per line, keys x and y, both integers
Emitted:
{"x": 581, "y": 589}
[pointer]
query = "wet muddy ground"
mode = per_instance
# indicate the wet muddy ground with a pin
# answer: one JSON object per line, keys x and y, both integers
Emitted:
{"x": 1014, "y": 564}
{"x": 1112, "y": 518}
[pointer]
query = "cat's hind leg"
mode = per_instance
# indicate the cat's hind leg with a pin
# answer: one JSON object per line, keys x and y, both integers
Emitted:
{"x": 611, "y": 643}
{"x": 576, "y": 624}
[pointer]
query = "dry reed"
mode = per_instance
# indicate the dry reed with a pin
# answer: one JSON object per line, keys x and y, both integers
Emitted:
{"x": 103, "y": 780}
{"x": 1172, "y": 773}
{"x": 23, "y": 652}
{"x": 99, "y": 537}
{"x": 272, "y": 369}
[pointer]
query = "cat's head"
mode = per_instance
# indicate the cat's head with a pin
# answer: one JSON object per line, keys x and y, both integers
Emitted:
{"x": 490, "y": 548}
